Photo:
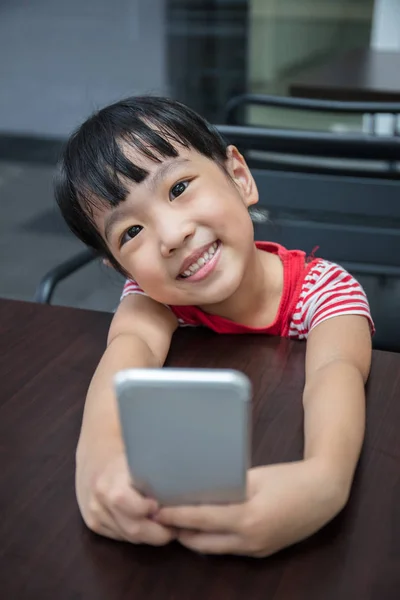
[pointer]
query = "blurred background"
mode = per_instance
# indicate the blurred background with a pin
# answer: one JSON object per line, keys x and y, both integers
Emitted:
{"x": 63, "y": 60}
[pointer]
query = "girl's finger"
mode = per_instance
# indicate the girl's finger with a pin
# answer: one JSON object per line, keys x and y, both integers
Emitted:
{"x": 216, "y": 519}
{"x": 212, "y": 543}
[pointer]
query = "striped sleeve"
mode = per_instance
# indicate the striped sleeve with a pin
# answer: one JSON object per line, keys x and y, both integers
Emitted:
{"x": 328, "y": 291}
{"x": 131, "y": 287}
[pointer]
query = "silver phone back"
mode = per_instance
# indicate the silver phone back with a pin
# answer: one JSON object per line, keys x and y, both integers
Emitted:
{"x": 186, "y": 433}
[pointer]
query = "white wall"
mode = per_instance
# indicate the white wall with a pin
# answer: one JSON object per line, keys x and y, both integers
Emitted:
{"x": 385, "y": 36}
{"x": 386, "y": 25}
{"x": 61, "y": 59}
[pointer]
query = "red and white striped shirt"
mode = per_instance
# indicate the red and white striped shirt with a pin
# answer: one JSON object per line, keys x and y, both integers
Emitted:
{"x": 314, "y": 290}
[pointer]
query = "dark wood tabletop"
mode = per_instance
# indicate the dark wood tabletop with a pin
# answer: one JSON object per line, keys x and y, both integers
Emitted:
{"x": 47, "y": 357}
{"x": 360, "y": 75}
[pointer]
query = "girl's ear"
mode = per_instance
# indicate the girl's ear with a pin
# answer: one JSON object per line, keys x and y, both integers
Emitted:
{"x": 106, "y": 262}
{"x": 241, "y": 175}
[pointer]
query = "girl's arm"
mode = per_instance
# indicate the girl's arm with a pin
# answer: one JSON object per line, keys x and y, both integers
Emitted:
{"x": 139, "y": 336}
{"x": 338, "y": 360}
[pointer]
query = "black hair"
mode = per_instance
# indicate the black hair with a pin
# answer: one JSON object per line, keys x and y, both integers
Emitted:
{"x": 94, "y": 167}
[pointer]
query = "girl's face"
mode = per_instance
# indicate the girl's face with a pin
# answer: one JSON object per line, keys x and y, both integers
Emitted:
{"x": 184, "y": 234}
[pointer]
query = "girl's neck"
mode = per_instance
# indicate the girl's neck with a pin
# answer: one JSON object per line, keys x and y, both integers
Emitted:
{"x": 255, "y": 303}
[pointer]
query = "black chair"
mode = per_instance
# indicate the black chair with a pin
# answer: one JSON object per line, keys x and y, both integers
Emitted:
{"x": 47, "y": 286}
{"x": 353, "y": 218}
{"x": 233, "y": 111}
{"x": 234, "y": 114}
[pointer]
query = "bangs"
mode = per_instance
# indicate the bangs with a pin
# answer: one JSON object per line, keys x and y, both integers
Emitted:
{"x": 96, "y": 160}
{"x": 100, "y": 175}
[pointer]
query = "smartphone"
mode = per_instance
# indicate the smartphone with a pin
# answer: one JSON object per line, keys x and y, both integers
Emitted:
{"x": 186, "y": 433}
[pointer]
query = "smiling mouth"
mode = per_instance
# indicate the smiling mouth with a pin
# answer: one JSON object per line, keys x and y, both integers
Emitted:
{"x": 205, "y": 258}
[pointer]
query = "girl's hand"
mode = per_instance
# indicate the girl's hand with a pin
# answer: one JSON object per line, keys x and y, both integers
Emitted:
{"x": 286, "y": 503}
{"x": 110, "y": 505}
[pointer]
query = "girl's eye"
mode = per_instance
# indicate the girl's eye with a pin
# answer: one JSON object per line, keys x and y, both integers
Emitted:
{"x": 130, "y": 233}
{"x": 178, "y": 189}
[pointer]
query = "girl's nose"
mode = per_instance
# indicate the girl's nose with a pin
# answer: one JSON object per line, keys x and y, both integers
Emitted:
{"x": 174, "y": 235}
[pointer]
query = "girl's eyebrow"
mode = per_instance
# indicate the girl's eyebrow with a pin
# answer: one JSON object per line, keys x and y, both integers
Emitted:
{"x": 152, "y": 180}
{"x": 113, "y": 218}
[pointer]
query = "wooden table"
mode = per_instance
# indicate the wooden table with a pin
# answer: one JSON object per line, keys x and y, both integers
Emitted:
{"x": 47, "y": 357}
{"x": 359, "y": 75}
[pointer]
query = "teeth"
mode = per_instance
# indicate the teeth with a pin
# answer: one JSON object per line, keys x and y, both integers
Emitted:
{"x": 207, "y": 255}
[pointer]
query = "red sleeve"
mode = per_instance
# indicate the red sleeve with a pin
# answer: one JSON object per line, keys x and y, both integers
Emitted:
{"x": 328, "y": 291}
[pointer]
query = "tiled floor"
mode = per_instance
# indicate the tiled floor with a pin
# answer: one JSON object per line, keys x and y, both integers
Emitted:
{"x": 33, "y": 239}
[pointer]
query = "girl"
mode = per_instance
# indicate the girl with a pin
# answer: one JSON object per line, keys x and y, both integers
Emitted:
{"x": 154, "y": 189}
